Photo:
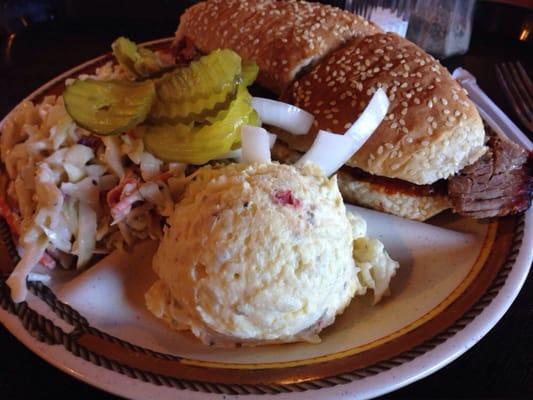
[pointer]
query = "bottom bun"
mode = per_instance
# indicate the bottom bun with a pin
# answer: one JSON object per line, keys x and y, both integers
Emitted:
{"x": 376, "y": 196}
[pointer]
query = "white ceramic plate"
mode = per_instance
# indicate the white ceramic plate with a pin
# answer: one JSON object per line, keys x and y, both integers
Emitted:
{"x": 457, "y": 279}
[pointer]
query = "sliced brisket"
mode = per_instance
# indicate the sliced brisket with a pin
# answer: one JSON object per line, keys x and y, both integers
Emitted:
{"x": 499, "y": 183}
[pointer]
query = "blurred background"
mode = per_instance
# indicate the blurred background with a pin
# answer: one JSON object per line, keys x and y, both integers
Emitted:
{"x": 40, "y": 39}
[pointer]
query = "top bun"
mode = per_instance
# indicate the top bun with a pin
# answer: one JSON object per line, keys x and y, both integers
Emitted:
{"x": 432, "y": 130}
{"x": 282, "y": 37}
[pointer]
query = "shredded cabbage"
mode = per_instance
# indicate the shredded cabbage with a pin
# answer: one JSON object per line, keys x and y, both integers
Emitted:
{"x": 59, "y": 177}
{"x": 150, "y": 166}
{"x": 376, "y": 267}
{"x": 86, "y": 239}
{"x": 132, "y": 146}
{"x": 31, "y": 254}
{"x": 112, "y": 155}
{"x": 86, "y": 191}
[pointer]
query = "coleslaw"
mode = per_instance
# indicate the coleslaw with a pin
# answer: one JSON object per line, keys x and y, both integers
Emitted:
{"x": 70, "y": 194}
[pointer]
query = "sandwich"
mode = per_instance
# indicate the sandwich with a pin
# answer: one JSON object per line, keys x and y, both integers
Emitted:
{"x": 284, "y": 38}
{"x": 432, "y": 151}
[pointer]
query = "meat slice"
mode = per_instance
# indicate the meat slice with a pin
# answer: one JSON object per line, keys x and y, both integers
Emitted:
{"x": 500, "y": 183}
{"x": 185, "y": 52}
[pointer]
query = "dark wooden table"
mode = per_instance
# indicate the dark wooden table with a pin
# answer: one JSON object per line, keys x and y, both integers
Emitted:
{"x": 64, "y": 34}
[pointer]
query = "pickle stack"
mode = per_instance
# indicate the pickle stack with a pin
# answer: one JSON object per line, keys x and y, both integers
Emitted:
{"x": 189, "y": 114}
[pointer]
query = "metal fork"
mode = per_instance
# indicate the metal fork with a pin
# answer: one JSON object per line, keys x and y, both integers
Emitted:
{"x": 519, "y": 90}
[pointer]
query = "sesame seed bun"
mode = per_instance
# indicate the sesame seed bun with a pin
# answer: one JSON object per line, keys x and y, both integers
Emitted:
{"x": 432, "y": 129}
{"x": 282, "y": 37}
{"x": 378, "y": 197}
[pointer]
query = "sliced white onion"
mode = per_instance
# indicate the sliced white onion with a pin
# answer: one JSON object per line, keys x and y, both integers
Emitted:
{"x": 330, "y": 151}
{"x": 271, "y": 139}
{"x": 282, "y": 115}
{"x": 237, "y": 153}
{"x": 255, "y": 144}
{"x": 370, "y": 118}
